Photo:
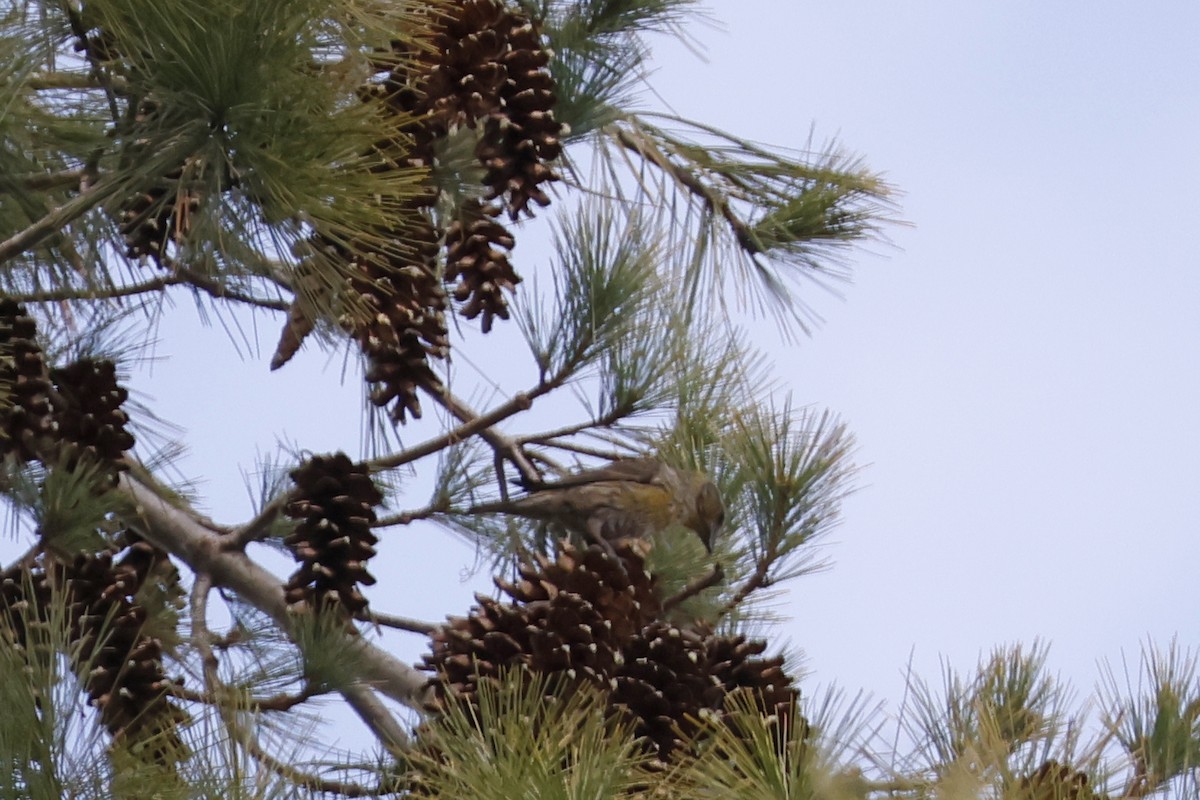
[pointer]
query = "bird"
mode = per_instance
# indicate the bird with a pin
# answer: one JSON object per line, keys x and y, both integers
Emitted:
{"x": 629, "y": 498}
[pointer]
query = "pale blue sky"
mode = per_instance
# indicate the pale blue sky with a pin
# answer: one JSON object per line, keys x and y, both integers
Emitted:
{"x": 1020, "y": 368}
{"x": 1021, "y": 371}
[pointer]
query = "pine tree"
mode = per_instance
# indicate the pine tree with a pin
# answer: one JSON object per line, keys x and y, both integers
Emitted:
{"x": 362, "y": 174}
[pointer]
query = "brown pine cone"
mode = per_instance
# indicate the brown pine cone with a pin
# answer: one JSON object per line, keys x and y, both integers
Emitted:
{"x": 91, "y": 423}
{"x": 334, "y": 500}
{"x": 572, "y": 615}
{"x": 122, "y": 667}
{"x": 1053, "y": 780}
{"x": 25, "y": 413}
{"x": 475, "y": 260}
{"x": 594, "y": 619}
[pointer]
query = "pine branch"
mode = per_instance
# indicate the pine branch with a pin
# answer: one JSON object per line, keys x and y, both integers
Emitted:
{"x": 42, "y": 181}
{"x": 300, "y": 778}
{"x": 505, "y": 447}
{"x": 472, "y": 424}
{"x": 63, "y": 80}
{"x": 284, "y": 701}
{"x": 99, "y": 293}
{"x": 173, "y": 530}
{"x": 219, "y": 291}
{"x": 572, "y": 447}
{"x": 695, "y": 587}
{"x": 758, "y": 580}
{"x": 714, "y": 200}
{"x": 56, "y": 220}
{"x": 397, "y": 622}
{"x": 409, "y": 517}
{"x": 179, "y": 277}
{"x": 377, "y": 719}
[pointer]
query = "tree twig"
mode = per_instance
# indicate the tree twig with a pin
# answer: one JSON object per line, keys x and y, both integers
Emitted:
{"x": 56, "y": 220}
{"x": 706, "y": 194}
{"x": 760, "y": 579}
{"x": 98, "y": 293}
{"x": 398, "y": 622}
{"x": 472, "y": 424}
{"x": 201, "y": 635}
{"x": 504, "y": 445}
{"x": 256, "y": 528}
{"x": 572, "y": 447}
{"x": 40, "y": 181}
{"x": 301, "y": 778}
{"x": 64, "y": 80}
{"x": 284, "y": 701}
{"x": 219, "y": 291}
{"x": 407, "y": 517}
{"x": 696, "y": 586}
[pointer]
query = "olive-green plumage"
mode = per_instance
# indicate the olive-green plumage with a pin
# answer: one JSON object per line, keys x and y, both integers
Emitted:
{"x": 630, "y": 498}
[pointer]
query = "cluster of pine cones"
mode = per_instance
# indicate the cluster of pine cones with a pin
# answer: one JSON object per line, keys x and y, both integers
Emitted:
{"x": 120, "y": 665}
{"x": 590, "y": 618}
{"x": 485, "y": 71}
{"x": 71, "y": 417}
{"x": 66, "y": 416}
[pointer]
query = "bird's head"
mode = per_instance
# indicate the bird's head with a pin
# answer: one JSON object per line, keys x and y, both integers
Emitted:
{"x": 709, "y": 512}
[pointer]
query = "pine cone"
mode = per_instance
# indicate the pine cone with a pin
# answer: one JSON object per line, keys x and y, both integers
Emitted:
{"x": 151, "y": 220}
{"x": 493, "y": 68}
{"x": 160, "y": 587}
{"x": 396, "y": 312}
{"x": 91, "y": 424}
{"x": 467, "y": 79}
{"x": 161, "y": 214}
{"x": 673, "y": 677}
{"x": 734, "y": 661}
{"x": 334, "y": 499}
{"x": 486, "y": 64}
{"x": 24, "y": 594}
{"x": 154, "y": 219}
{"x": 1053, "y": 781}
{"x": 571, "y": 615}
{"x": 407, "y": 326}
{"x": 124, "y": 668}
{"x": 483, "y": 271}
{"x": 594, "y": 619}
{"x": 25, "y": 414}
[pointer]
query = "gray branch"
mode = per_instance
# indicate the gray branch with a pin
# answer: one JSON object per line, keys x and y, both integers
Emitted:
{"x": 175, "y": 531}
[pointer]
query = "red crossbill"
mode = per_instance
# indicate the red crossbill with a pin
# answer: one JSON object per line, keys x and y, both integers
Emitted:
{"x": 630, "y": 498}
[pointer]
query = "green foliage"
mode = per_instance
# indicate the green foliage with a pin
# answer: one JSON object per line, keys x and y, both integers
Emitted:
{"x": 1158, "y": 721}
{"x": 751, "y": 756}
{"x": 1007, "y": 704}
{"x": 252, "y": 108}
{"x": 527, "y": 737}
{"x": 795, "y": 471}
{"x": 601, "y": 52}
{"x": 605, "y": 279}
{"x": 754, "y": 222}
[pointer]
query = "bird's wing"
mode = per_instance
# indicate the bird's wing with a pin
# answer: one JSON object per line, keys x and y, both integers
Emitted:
{"x": 536, "y": 505}
{"x": 634, "y": 470}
